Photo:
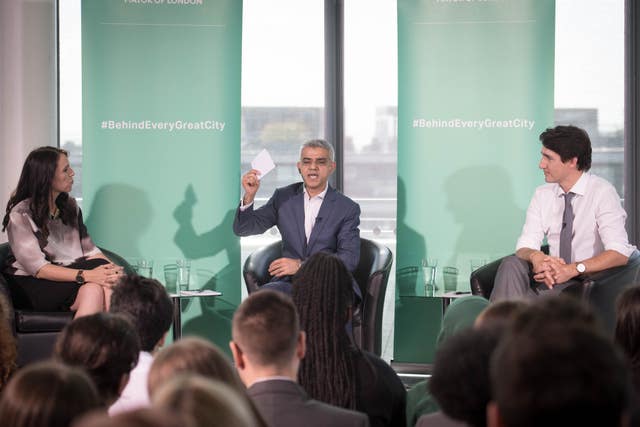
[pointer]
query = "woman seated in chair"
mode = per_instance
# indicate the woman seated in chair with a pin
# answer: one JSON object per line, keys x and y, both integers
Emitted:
{"x": 55, "y": 266}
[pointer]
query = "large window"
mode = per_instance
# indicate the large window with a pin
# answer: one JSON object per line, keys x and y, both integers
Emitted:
{"x": 589, "y": 78}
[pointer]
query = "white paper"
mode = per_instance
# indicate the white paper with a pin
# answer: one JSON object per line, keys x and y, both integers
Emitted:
{"x": 201, "y": 293}
{"x": 263, "y": 163}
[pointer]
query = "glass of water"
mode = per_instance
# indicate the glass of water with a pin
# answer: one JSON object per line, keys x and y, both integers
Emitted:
{"x": 184, "y": 270}
{"x": 429, "y": 273}
{"x": 144, "y": 267}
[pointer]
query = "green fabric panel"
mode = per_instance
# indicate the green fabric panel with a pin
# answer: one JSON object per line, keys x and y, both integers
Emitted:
{"x": 161, "y": 141}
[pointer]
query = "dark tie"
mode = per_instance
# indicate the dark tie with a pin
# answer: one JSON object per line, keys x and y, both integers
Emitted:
{"x": 566, "y": 234}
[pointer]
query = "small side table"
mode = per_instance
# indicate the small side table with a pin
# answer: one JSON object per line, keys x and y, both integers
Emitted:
{"x": 177, "y": 312}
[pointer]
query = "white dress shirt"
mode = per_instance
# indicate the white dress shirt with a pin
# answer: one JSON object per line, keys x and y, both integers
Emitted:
{"x": 598, "y": 223}
{"x": 135, "y": 395}
{"x": 311, "y": 208}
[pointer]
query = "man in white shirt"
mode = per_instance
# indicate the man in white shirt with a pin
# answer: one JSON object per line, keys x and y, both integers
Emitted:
{"x": 148, "y": 306}
{"x": 267, "y": 348}
{"x": 578, "y": 213}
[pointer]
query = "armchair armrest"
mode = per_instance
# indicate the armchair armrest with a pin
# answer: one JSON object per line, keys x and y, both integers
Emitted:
{"x": 481, "y": 280}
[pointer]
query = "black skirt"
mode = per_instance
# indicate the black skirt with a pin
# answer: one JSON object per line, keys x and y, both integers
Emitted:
{"x": 31, "y": 293}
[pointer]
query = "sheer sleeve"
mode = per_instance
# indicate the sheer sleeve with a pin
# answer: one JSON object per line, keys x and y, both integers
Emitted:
{"x": 26, "y": 241}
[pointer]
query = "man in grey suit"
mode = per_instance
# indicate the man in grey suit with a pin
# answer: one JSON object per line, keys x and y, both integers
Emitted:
{"x": 267, "y": 346}
{"x": 310, "y": 215}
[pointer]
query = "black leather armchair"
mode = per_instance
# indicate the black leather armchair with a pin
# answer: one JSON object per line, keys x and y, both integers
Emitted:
{"x": 599, "y": 289}
{"x": 371, "y": 274}
{"x": 35, "y": 331}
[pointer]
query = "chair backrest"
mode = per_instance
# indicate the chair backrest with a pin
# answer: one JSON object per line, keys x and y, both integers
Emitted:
{"x": 371, "y": 274}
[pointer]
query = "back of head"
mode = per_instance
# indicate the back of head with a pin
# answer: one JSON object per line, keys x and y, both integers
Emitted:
{"x": 105, "y": 345}
{"x": 627, "y": 332}
{"x": 569, "y": 142}
{"x": 499, "y": 314}
{"x": 558, "y": 370}
{"x": 204, "y": 402}
{"x": 266, "y": 328}
{"x": 47, "y": 394}
{"x": 148, "y": 306}
{"x": 323, "y": 295}
{"x": 8, "y": 350}
{"x": 460, "y": 381}
{"x": 460, "y": 315}
{"x": 145, "y": 417}
{"x": 191, "y": 355}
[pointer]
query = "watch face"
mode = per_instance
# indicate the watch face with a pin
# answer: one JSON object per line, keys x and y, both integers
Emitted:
{"x": 80, "y": 278}
{"x": 581, "y": 268}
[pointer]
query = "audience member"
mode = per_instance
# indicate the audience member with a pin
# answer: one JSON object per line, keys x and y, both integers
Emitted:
{"x": 148, "y": 306}
{"x": 204, "y": 402}
{"x": 8, "y": 351}
{"x": 555, "y": 367}
{"x": 334, "y": 370}
{"x": 460, "y": 381}
{"x": 106, "y": 346}
{"x": 47, "y": 394}
{"x": 499, "y": 314}
{"x": 142, "y": 417}
{"x": 460, "y": 315}
{"x": 197, "y": 356}
{"x": 267, "y": 348}
{"x": 627, "y": 332}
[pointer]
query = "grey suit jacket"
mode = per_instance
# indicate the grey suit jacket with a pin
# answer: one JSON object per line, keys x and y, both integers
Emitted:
{"x": 335, "y": 231}
{"x": 283, "y": 403}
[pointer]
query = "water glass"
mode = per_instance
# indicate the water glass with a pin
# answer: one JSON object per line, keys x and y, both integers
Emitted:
{"x": 144, "y": 267}
{"x": 477, "y": 263}
{"x": 450, "y": 275}
{"x": 171, "y": 277}
{"x": 184, "y": 270}
{"x": 429, "y": 271}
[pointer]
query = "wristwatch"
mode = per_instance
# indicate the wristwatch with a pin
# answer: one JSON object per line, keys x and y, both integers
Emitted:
{"x": 80, "y": 278}
{"x": 581, "y": 268}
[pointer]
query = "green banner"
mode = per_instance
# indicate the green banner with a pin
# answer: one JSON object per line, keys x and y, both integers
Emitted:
{"x": 161, "y": 132}
{"x": 475, "y": 89}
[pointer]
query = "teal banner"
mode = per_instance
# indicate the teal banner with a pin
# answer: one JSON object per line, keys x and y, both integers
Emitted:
{"x": 161, "y": 132}
{"x": 475, "y": 89}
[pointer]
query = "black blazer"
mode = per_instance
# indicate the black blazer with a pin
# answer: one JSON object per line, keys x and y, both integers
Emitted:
{"x": 283, "y": 403}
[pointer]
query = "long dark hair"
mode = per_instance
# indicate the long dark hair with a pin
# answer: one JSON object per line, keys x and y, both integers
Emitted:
{"x": 323, "y": 294}
{"x": 35, "y": 184}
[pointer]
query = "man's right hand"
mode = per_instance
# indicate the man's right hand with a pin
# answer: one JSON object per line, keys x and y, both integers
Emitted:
{"x": 250, "y": 184}
{"x": 543, "y": 267}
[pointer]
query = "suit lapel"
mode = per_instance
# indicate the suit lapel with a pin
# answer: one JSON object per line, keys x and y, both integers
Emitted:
{"x": 298, "y": 213}
{"x": 323, "y": 216}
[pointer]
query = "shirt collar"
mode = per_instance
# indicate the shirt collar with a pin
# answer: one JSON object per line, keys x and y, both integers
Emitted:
{"x": 319, "y": 196}
{"x": 578, "y": 188}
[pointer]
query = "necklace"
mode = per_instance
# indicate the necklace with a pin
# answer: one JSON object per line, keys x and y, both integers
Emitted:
{"x": 54, "y": 214}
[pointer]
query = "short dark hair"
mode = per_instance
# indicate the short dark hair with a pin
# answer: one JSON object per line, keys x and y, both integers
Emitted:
{"x": 148, "y": 306}
{"x": 558, "y": 370}
{"x": 105, "y": 345}
{"x": 47, "y": 394}
{"x": 460, "y": 381}
{"x": 569, "y": 142}
{"x": 143, "y": 417}
{"x": 499, "y": 314}
{"x": 266, "y": 328}
{"x": 627, "y": 332}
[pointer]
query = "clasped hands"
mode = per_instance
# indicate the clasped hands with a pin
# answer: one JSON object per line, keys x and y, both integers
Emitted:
{"x": 284, "y": 267}
{"x": 106, "y": 275}
{"x": 552, "y": 270}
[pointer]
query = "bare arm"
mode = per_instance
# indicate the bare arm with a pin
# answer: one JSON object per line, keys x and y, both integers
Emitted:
{"x": 104, "y": 275}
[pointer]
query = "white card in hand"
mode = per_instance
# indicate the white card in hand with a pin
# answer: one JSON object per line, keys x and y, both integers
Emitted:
{"x": 263, "y": 163}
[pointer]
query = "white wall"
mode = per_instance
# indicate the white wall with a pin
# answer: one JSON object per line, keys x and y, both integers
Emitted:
{"x": 28, "y": 116}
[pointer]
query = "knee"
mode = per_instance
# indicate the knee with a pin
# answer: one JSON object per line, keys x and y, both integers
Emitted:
{"x": 513, "y": 263}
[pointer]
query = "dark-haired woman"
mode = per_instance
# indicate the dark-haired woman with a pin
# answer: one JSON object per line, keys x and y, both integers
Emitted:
{"x": 334, "y": 370}
{"x": 55, "y": 266}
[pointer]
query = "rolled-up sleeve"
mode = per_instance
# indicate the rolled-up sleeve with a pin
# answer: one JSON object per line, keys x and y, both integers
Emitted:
{"x": 610, "y": 218}
{"x": 22, "y": 234}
